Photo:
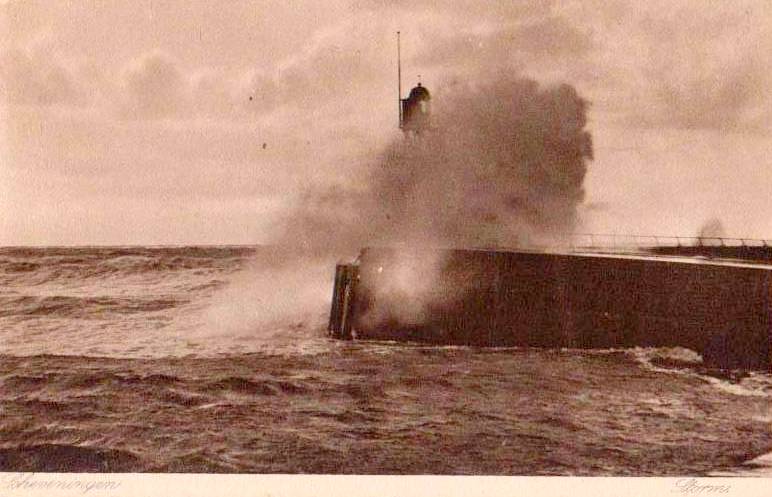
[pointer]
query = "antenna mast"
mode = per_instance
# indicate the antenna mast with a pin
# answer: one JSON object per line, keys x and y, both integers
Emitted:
{"x": 399, "y": 81}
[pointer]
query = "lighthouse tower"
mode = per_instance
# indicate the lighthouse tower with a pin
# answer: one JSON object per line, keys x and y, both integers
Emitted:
{"x": 415, "y": 110}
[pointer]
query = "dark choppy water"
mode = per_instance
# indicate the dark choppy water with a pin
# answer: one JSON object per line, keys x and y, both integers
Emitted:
{"x": 209, "y": 360}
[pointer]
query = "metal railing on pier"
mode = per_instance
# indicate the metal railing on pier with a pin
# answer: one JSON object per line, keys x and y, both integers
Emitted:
{"x": 615, "y": 240}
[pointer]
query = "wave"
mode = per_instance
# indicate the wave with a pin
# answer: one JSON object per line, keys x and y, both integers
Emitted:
{"x": 184, "y": 399}
{"x": 82, "y": 307}
{"x": 199, "y": 461}
{"x": 248, "y": 386}
{"x": 151, "y": 302}
{"x": 26, "y": 382}
{"x": 69, "y": 458}
{"x": 10, "y": 266}
{"x": 685, "y": 362}
{"x": 760, "y": 466}
{"x": 44, "y": 265}
{"x": 85, "y": 381}
{"x": 79, "y": 381}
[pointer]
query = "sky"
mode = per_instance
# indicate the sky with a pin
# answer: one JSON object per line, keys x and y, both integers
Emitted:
{"x": 203, "y": 122}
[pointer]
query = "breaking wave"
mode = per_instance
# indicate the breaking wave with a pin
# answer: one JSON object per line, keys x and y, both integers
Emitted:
{"x": 681, "y": 361}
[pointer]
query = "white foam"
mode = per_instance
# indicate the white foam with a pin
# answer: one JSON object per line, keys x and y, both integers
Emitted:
{"x": 736, "y": 388}
{"x": 760, "y": 466}
{"x": 754, "y": 385}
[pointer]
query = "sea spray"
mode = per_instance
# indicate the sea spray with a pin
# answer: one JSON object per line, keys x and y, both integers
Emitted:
{"x": 504, "y": 164}
{"x": 276, "y": 294}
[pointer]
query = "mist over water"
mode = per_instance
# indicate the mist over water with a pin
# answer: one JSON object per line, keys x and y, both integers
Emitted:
{"x": 139, "y": 302}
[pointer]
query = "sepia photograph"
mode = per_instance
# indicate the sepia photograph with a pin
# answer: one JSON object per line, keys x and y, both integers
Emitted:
{"x": 367, "y": 237}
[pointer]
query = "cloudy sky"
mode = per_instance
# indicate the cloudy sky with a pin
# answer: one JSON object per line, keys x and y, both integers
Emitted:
{"x": 166, "y": 122}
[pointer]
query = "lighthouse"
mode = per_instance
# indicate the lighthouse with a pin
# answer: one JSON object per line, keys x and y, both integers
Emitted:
{"x": 415, "y": 110}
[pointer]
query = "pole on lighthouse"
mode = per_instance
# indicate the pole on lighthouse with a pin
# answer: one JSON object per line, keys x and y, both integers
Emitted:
{"x": 399, "y": 82}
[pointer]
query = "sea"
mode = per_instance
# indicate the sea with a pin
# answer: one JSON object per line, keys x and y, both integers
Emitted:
{"x": 216, "y": 360}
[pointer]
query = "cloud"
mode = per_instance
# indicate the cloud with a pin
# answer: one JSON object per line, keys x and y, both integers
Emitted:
{"x": 183, "y": 109}
{"x": 655, "y": 65}
{"x": 682, "y": 65}
{"x": 339, "y": 65}
{"x": 329, "y": 70}
{"x": 32, "y": 77}
{"x": 465, "y": 10}
{"x": 155, "y": 87}
{"x": 524, "y": 45}
{"x": 726, "y": 98}
{"x": 258, "y": 92}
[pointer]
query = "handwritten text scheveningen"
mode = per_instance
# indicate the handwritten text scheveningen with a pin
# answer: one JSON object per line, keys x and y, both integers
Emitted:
{"x": 30, "y": 481}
